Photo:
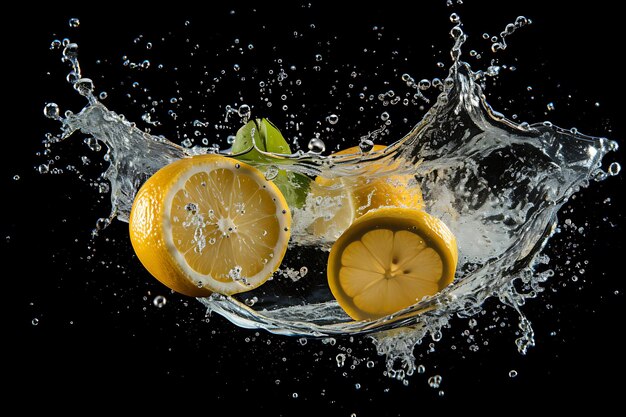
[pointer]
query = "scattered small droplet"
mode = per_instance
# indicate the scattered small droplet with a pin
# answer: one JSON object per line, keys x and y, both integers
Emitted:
{"x": 434, "y": 381}
{"x": 159, "y": 301}
{"x": 341, "y": 359}
{"x": 51, "y": 111}
{"x": 316, "y": 145}
{"x": 244, "y": 111}
{"x": 333, "y": 119}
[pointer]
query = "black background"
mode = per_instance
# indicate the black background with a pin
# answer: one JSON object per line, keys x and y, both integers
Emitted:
{"x": 99, "y": 336}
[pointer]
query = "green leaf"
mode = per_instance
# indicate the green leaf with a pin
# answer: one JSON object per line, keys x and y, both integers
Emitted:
{"x": 260, "y": 135}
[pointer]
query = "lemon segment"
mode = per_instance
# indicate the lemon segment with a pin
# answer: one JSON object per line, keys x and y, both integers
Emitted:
{"x": 346, "y": 199}
{"x": 389, "y": 259}
{"x": 210, "y": 224}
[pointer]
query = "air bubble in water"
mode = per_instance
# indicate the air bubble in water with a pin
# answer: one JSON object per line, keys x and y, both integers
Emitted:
{"x": 102, "y": 95}
{"x": 421, "y": 369}
{"x": 550, "y": 106}
{"x": 74, "y": 22}
{"x": 271, "y": 172}
{"x": 512, "y": 373}
{"x": 303, "y": 271}
{"x": 316, "y": 145}
{"x": 51, "y": 111}
{"x": 35, "y": 321}
{"x": 43, "y": 168}
{"x": 159, "y": 301}
{"x": 384, "y": 116}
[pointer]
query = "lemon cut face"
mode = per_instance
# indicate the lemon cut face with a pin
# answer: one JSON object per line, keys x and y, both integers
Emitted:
{"x": 389, "y": 259}
{"x": 210, "y": 224}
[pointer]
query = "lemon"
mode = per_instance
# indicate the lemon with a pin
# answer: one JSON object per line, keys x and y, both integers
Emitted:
{"x": 345, "y": 199}
{"x": 389, "y": 259}
{"x": 209, "y": 224}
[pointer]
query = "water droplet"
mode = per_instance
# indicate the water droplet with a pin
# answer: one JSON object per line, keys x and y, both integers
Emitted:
{"x": 102, "y": 223}
{"x": 366, "y": 145}
{"x": 271, "y": 172}
{"x": 333, "y": 119}
{"x": 70, "y": 51}
{"x": 84, "y": 86}
{"x": 244, "y": 111}
{"x": 51, "y": 111}
{"x": 341, "y": 359}
{"x": 434, "y": 381}
{"x": 512, "y": 373}
{"x": 74, "y": 22}
{"x": 159, "y": 301}
{"x": 104, "y": 187}
{"x": 614, "y": 168}
{"x": 599, "y": 175}
{"x": 55, "y": 44}
{"x": 316, "y": 145}
{"x": 424, "y": 84}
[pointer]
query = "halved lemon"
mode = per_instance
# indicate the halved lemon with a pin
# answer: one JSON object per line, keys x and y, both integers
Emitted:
{"x": 389, "y": 259}
{"x": 210, "y": 223}
{"x": 342, "y": 200}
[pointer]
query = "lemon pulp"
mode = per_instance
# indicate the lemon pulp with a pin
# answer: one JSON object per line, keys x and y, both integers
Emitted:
{"x": 210, "y": 224}
{"x": 389, "y": 259}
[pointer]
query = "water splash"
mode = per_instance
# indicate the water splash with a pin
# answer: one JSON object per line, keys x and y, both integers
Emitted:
{"x": 497, "y": 184}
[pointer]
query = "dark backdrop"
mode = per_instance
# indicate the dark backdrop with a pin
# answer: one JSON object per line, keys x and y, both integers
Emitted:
{"x": 80, "y": 321}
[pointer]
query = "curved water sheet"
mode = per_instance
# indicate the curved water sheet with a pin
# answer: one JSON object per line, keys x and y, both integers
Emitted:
{"x": 497, "y": 184}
